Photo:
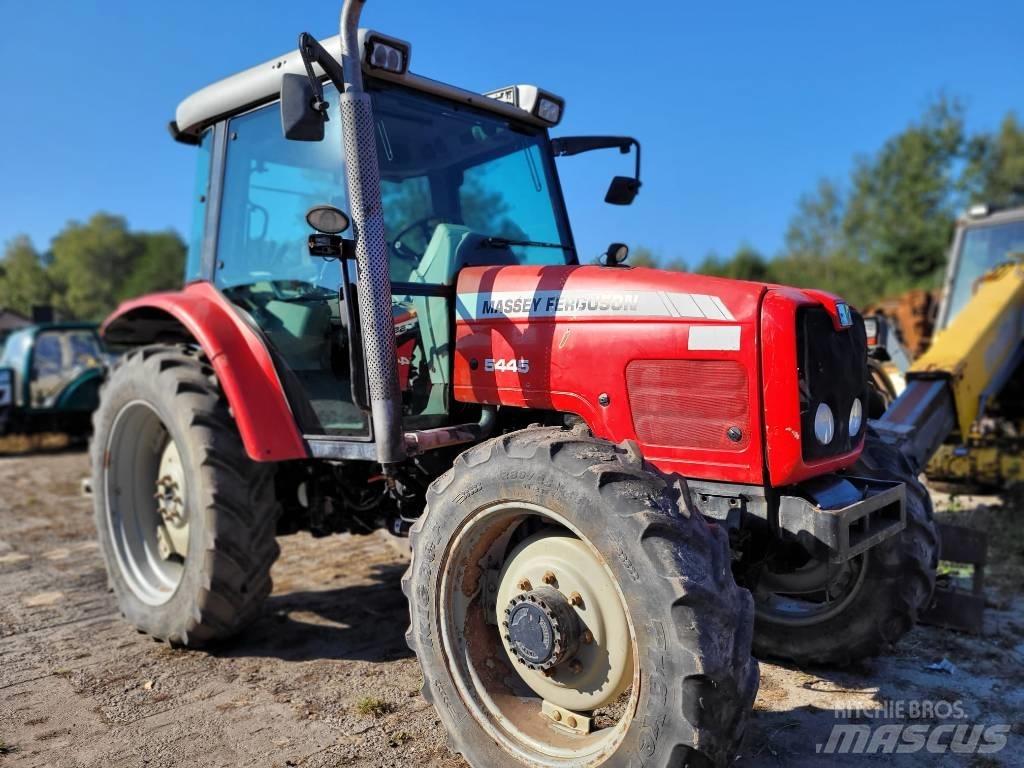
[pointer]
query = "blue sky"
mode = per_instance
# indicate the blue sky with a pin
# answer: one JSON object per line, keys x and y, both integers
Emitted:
{"x": 740, "y": 107}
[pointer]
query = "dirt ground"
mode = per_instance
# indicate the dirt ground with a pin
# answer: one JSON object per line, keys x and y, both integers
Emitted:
{"x": 325, "y": 679}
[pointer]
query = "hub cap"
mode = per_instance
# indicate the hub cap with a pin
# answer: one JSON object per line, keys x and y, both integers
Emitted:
{"x": 147, "y": 503}
{"x": 541, "y": 628}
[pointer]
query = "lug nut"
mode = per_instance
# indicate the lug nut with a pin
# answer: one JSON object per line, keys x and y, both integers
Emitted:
{"x": 549, "y": 577}
{"x": 556, "y": 715}
{"x": 576, "y": 599}
{"x": 576, "y": 666}
{"x": 588, "y": 636}
{"x": 524, "y": 584}
{"x": 571, "y": 721}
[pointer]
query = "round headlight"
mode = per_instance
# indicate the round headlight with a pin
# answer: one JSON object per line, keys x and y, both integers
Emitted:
{"x": 824, "y": 424}
{"x": 856, "y": 417}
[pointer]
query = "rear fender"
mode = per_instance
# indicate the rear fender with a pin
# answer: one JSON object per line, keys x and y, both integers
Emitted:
{"x": 244, "y": 368}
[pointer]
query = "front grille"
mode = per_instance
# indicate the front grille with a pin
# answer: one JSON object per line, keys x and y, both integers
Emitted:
{"x": 689, "y": 403}
{"x": 833, "y": 369}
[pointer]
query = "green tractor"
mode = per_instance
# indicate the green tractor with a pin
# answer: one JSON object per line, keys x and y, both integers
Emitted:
{"x": 50, "y": 375}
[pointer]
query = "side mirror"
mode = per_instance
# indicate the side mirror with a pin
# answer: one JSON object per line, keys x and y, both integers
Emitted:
{"x": 301, "y": 116}
{"x": 622, "y": 190}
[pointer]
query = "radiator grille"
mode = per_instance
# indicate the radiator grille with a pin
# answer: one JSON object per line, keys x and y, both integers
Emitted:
{"x": 689, "y": 403}
{"x": 833, "y": 370}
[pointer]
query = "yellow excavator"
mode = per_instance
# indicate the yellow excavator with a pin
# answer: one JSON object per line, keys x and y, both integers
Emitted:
{"x": 958, "y": 413}
{"x": 959, "y": 410}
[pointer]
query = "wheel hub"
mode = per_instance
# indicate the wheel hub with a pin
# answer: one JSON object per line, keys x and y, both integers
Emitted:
{"x": 172, "y": 526}
{"x": 541, "y": 628}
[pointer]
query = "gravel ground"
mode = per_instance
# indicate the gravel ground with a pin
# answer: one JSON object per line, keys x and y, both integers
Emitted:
{"x": 324, "y": 677}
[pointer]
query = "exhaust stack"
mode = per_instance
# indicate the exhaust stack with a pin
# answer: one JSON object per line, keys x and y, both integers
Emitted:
{"x": 375, "y": 313}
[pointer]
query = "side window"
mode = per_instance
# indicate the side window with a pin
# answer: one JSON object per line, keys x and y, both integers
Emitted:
{"x": 200, "y": 195}
{"x": 46, "y": 357}
{"x": 85, "y": 350}
{"x": 269, "y": 184}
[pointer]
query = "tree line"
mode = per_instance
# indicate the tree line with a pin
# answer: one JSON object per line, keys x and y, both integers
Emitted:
{"x": 89, "y": 268}
{"x": 888, "y": 226}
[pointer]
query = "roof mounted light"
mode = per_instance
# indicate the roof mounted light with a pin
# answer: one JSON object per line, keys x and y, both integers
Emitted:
{"x": 386, "y": 54}
{"x": 543, "y": 105}
{"x": 978, "y": 211}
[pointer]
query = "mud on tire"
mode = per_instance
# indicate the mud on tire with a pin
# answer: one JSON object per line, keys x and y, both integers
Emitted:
{"x": 692, "y": 624}
{"x": 230, "y": 504}
{"x": 897, "y": 587}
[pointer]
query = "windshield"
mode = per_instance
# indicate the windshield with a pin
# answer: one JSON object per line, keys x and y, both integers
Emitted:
{"x": 441, "y": 164}
{"x": 982, "y": 249}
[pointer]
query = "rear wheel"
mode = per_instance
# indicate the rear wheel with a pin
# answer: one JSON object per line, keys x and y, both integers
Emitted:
{"x": 566, "y": 610}
{"x": 186, "y": 520}
{"x": 812, "y": 611}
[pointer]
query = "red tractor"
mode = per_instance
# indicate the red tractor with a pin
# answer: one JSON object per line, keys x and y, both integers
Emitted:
{"x": 614, "y": 480}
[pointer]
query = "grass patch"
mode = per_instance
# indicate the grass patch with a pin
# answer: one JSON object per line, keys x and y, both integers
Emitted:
{"x": 7, "y": 749}
{"x": 368, "y": 705}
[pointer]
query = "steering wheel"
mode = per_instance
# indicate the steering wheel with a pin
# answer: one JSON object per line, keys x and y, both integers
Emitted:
{"x": 426, "y": 226}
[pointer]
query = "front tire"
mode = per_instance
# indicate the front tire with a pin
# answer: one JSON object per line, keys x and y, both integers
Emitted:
{"x": 186, "y": 521}
{"x": 884, "y": 590}
{"x": 526, "y": 515}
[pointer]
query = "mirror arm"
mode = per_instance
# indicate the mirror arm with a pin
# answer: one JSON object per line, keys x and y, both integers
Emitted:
{"x": 312, "y": 52}
{"x": 566, "y": 146}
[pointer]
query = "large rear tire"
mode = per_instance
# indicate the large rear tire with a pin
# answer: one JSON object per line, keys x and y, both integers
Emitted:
{"x": 883, "y": 591}
{"x": 577, "y": 528}
{"x": 186, "y": 520}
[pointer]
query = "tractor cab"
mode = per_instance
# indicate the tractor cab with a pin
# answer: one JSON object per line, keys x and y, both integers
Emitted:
{"x": 49, "y": 378}
{"x": 465, "y": 180}
{"x": 985, "y": 239}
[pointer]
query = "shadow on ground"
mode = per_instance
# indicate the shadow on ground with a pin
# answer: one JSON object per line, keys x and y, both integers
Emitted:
{"x": 363, "y": 622}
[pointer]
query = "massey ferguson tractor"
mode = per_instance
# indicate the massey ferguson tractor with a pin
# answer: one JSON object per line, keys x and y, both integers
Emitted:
{"x": 615, "y": 480}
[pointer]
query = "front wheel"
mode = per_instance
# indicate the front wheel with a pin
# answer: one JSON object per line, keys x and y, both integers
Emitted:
{"x": 186, "y": 521}
{"x": 566, "y": 610}
{"x": 814, "y": 612}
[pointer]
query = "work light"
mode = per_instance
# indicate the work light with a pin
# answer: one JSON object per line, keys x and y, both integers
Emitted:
{"x": 386, "y": 53}
{"x": 856, "y": 416}
{"x": 824, "y": 424}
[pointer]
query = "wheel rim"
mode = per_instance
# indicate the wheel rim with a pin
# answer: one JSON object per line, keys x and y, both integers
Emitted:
{"x": 146, "y": 512}
{"x": 498, "y": 670}
{"x": 809, "y": 594}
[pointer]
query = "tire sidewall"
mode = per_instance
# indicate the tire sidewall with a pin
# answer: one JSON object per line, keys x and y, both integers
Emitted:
{"x": 130, "y": 382}
{"x": 532, "y": 482}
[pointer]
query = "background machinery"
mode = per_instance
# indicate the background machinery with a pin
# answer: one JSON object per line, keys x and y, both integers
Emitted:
{"x": 977, "y": 345}
{"x": 385, "y": 324}
{"x": 50, "y": 377}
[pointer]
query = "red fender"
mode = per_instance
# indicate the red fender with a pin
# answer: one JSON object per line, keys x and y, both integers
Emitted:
{"x": 241, "y": 361}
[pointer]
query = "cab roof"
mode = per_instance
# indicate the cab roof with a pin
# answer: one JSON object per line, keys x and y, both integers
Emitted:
{"x": 262, "y": 84}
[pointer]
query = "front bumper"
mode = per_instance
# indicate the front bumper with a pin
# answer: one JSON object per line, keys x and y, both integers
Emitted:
{"x": 844, "y": 516}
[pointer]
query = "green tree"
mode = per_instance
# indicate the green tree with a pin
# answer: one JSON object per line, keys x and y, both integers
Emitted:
{"x": 159, "y": 265}
{"x": 24, "y": 282}
{"x": 91, "y": 263}
{"x": 746, "y": 264}
{"x": 902, "y": 206}
{"x": 995, "y": 165}
{"x": 641, "y": 256}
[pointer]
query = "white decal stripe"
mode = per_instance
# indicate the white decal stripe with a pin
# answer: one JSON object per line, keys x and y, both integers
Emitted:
{"x": 718, "y": 338}
{"x": 685, "y": 305}
{"x": 708, "y": 307}
{"x": 725, "y": 310}
{"x": 536, "y": 304}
